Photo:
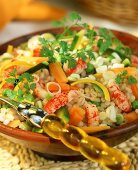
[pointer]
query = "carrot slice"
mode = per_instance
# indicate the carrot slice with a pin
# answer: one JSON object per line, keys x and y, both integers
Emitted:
{"x": 57, "y": 72}
{"x": 130, "y": 117}
{"x": 64, "y": 87}
{"x": 76, "y": 115}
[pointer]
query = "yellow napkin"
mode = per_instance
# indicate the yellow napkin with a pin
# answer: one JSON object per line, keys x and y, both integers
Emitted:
{"x": 27, "y": 10}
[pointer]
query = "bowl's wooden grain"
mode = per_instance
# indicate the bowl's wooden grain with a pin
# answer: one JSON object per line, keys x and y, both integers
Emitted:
{"x": 55, "y": 149}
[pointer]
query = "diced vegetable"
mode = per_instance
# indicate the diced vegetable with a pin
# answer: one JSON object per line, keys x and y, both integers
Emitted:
{"x": 134, "y": 88}
{"x": 77, "y": 114}
{"x": 10, "y": 49}
{"x": 104, "y": 89}
{"x": 64, "y": 87}
{"x": 135, "y": 104}
{"x": 63, "y": 114}
{"x": 77, "y": 40}
{"x": 119, "y": 119}
{"x": 93, "y": 129}
{"x": 36, "y": 52}
{"x": 126, "y": 62}
{"x": 90, "y": 68}
{"x": 57, "y": 72}
{"x": 130, "y": 117}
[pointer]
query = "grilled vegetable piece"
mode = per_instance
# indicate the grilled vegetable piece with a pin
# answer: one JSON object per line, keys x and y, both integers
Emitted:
{"x": 63, "y": 114}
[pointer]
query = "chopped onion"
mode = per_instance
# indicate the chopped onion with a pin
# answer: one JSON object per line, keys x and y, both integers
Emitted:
{"x": 50, "y": 83}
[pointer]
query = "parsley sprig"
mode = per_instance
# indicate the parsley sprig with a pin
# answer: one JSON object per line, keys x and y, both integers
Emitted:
{"x": 60, "y": 49}
{"x": 120, "y": 77}
{"x": 21, "y": 93}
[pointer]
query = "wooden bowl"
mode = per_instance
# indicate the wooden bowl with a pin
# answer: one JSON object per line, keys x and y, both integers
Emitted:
{"x": 54, "y": 149}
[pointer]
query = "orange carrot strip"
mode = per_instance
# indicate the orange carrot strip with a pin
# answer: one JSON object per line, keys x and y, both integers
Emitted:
{"x": 134, "y": 88}
{"x": 64, "y": 87}
{"x": 57, "y": 72}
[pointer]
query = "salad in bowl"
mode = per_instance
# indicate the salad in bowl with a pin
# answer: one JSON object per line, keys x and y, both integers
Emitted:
{"x": 80, "y": 74}
{"x": 87, "y": 78}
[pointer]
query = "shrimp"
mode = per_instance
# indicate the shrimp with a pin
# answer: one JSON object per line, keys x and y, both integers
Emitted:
{"x": 60, "y": 100}
{"x": 80, "y": 66}
{"x": 119, "y": 97}
{"x": 92, "y": 113}
{"x": 56, "y": 102}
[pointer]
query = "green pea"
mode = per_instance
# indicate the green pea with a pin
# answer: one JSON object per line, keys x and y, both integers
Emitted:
{"x": 119, "y": 119}
{"x": 135, "y": 104}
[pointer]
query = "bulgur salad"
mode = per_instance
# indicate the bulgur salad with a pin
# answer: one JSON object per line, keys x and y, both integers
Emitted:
{"x": 85, "y": 77}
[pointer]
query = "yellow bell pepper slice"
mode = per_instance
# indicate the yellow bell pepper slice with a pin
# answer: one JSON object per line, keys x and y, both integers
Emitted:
{"x": 102, "y": 87}
{"x": 10, "y": 49}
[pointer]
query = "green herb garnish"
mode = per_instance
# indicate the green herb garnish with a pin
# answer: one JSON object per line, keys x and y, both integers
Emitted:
{"x": 120, "y": 77}
{"x": 22, "y": 93}
{"x": 63, "y": 51}
{"x": 132, "y": 80}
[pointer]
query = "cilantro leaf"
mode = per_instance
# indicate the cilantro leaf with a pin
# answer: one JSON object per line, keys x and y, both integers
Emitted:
{"x": 26, "y": 76}
{"x": 73, "y": 16}
{"x": 46, "y": 52}
{"x": 13, "y": 72}
{"x": 32, "y": 86}
{"x": 60, "y": 23}
{"x": 63, "y": 46}
{"x": 43, "y": 41}
{"x": 11, "y": 80}
{"x": 90, "y": 33}
{"x": 72, "y": 63}
{"x": 132, "y": 80}
{"x": 120, "y": 77}
{"x": 82, "y": 54}
{"x": 90, "y": 54}
{"x": 9, "y": 93}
